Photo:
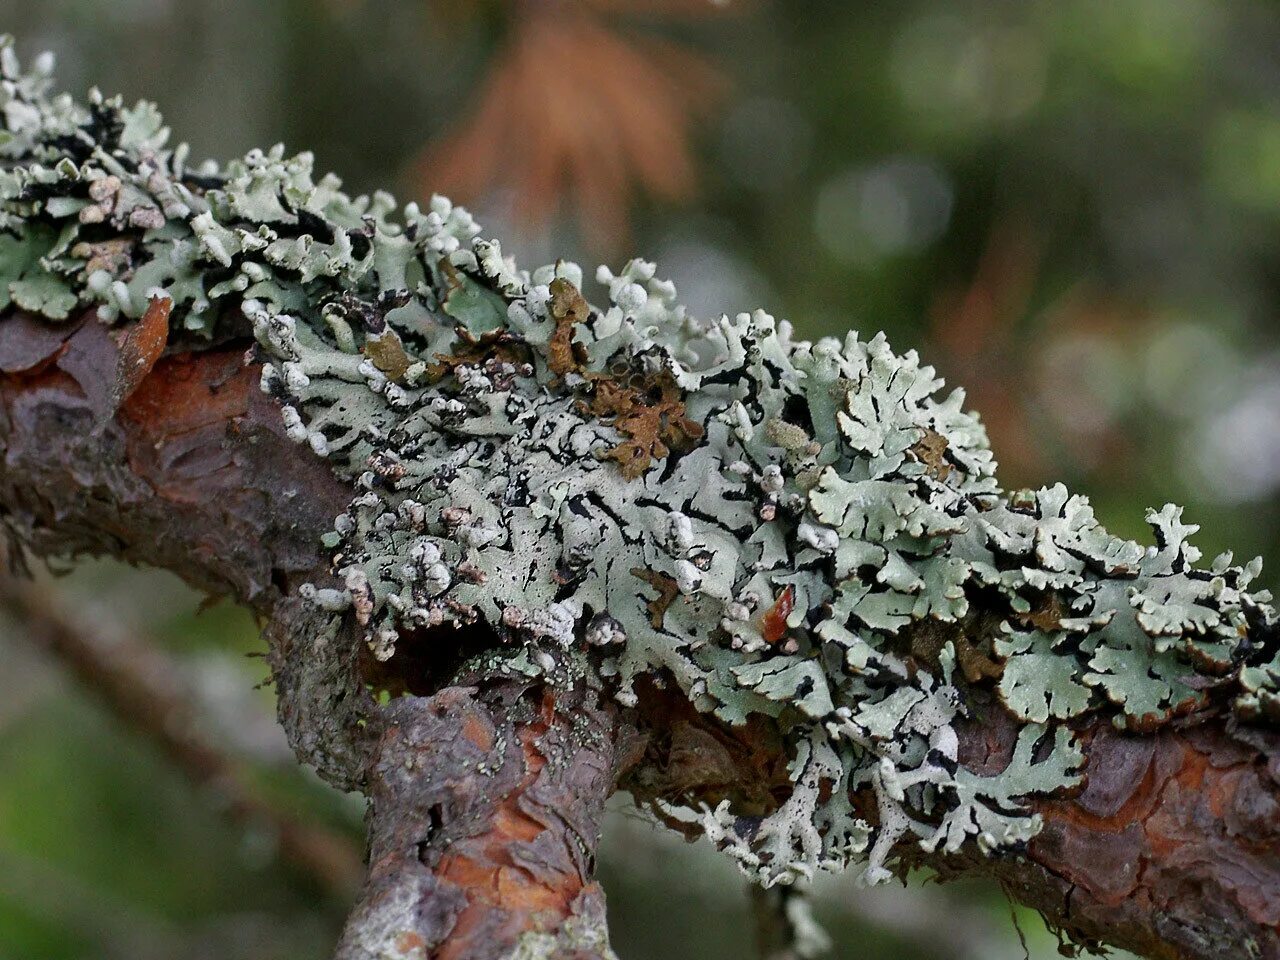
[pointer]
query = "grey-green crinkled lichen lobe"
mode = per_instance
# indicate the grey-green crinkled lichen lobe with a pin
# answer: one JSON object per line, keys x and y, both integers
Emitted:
{"x": 775, "y": 526}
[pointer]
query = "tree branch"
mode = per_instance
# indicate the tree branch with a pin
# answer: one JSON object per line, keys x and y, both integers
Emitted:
{"x": 1171, "y": 850}
{"x": 495, "y": 486}
{"x": 192, "y": 473}
{"x": 486, "y": 807}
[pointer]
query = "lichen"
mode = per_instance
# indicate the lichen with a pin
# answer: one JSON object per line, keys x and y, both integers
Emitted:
{"x": 805, "y": 531}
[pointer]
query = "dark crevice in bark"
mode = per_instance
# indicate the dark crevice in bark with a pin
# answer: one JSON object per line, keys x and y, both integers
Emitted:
{"x": 425, "y": 661}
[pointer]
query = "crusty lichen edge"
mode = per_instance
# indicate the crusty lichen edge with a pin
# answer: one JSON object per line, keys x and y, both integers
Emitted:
{"x": 800, "y": 530}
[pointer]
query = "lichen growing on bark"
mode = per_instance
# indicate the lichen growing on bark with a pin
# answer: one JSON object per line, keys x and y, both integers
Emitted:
{"x": 805, "y": 531}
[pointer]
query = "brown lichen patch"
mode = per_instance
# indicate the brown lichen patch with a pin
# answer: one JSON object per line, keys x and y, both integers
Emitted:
{"x": 142, "y": 345}
{"x": 648, "y": 409}
{"x": 774, "y": 624}
{"x": 931, "y": 450}
{"x": 568, "y": 309}
{"x": 500, "y": 346}
{"x": 667, "y": 589}
{"x": 113, "y": 255}
{"x": 386, "y": 352}
{"x": 970, "y": 640}
{"x": 1046, "y": 615}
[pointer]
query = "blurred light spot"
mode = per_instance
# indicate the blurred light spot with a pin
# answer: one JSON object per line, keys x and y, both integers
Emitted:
{"x": 1236, "y": 453}
{"x": 710, "y": 280}
{"x": 765, "y": 143}
{"x": 1083, "y": 383}
{"x": 1244, "y": 158}
{"x": 1151, "y": 226}
{"x": 899, "y": 206}
{"x": 965, "y": 74}
{"x": 1147, "y": 45}
{"x": 1187, "y": 368}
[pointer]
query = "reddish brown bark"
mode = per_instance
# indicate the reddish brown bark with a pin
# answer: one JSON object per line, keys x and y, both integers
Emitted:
{"x": 1172, "y": 849}
{"x": 191, "y": 473}
{"x": 1174, "y": 845}
{"x": 486, "y": 807}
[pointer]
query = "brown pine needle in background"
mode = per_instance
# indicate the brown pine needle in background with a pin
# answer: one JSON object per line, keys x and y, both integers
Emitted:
{"x": 576, "y": 113}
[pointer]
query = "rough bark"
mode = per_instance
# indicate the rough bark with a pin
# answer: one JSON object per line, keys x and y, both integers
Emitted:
{"x": 191, "y": 472}
{"x": 486, "y": 807}
{"x": 1172, "y": 849}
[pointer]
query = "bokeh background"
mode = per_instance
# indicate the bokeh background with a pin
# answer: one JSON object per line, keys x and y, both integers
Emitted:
{"x": 1072, "y": 207}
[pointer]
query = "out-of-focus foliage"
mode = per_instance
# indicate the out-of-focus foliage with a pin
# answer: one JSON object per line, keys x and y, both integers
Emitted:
{"x": 575, "y": 113}
{"x": 1071, "y": 207}
{"x": 106, "y": 851}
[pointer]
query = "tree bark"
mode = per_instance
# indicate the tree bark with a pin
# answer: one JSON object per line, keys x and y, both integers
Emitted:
{"x": 487, "y": 792}
{"x": 1171, "y": 850}
{"x": 485, "y": 815}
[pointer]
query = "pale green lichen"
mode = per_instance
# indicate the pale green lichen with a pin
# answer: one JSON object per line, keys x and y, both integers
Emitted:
{"x": 805, "y": 531}
{"x": 579, "y": 935}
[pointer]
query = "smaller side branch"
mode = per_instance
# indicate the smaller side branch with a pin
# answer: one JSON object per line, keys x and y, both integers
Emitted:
{"x": 143, "y": 689}
{"x": 486, "y": 809}
{"x": 1170, "y": 850}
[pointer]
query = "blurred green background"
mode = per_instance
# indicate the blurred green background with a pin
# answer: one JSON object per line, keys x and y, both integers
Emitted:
{"x": 1070, "y": 207}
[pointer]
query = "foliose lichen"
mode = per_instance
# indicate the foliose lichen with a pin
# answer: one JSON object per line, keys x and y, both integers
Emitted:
{"x": 805, "y": 531}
